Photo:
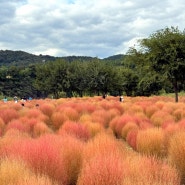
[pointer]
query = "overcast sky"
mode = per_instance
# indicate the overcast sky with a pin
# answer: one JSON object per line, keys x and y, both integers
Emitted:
{"x": 97, "y": 28}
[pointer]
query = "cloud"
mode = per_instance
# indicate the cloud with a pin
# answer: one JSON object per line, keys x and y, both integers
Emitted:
{"x": 78, "y": 27}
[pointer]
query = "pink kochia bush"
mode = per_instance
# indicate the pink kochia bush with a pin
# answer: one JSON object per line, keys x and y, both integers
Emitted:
{"x": 58, "y": 157}
{"x": 92, "y": 141}
{"x": 16, "y": 172}
{"x": 143, "y": 170}
{"x": 75, "y": 129}
{"x": 102, "y": 162}
{"x": 42, "y": 155}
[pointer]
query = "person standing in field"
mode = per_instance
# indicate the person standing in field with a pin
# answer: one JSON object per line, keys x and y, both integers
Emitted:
{"x": 121, "y": 99}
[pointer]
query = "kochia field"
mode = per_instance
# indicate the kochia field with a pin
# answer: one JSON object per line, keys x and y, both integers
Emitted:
{"x": 93, "y": 141}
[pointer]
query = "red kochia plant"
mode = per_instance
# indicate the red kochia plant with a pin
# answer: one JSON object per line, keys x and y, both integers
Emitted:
{"x": 72, "y": 150}
{"x": 101, "y": 116}
{"x": 70, "y": 113}
{"x": 40, "y": 129}
{"x": 42, "y": 155}
{"x": 103, "y": 170}
{"x": 160, "y": 117}
{"x": 75, "y": 129}
{"x": 104, "y": 144}
{"x": 58, "y": 118}
{"x": 103, "y": 161}
{"x": 151, "y": 142}
{"x": 17, "y": 124}
{"x": 149, "y": 171}
{"x": 132, "y": 138}
{"x": 47, "y": 108}
{"x": 2, "y": 124}
{"x": 8, "y": 115}
{"x": 16, "y": 172}
{"x": 176, "y": 152}
{"x": 122, "y": 121}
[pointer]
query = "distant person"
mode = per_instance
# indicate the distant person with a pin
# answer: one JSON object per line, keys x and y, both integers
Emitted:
{"x": 104, "y": 95}
{"x": 121, "y": 99}
{"x": 15, "y": 99}
{"x": 30, "y": 98}
{"x": 5, "y": 99}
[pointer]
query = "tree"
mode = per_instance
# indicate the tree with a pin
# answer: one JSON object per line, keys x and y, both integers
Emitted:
{"x": 165, "y": 50}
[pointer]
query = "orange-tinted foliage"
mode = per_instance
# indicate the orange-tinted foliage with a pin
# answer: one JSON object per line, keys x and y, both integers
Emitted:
{"x": 16, "y": 172}
{"x": 151, "y": 142}
{"x": 47, "y": 109}
{"x": 58, "y": 119}
{"x": 149, "y": 171}
{"x": 160, "y": 117}
{"x": 103, "y": 170}
{"x": 75, "y": 129}
{"x": 8, "y": 115}
{"x": 132, "y": 138}
{"x": 176, "y": 152}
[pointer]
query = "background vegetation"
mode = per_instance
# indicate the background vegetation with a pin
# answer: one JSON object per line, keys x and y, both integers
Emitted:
{"x": 155, "y": 66}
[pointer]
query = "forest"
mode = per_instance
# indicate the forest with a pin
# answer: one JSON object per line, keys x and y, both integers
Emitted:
{"x": 155, "y": 66}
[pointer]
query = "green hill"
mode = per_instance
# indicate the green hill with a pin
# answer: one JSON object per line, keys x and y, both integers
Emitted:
{"x": 21, "y": 58}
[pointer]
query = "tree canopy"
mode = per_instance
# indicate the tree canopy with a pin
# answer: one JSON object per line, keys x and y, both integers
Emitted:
{"x": 165, "y": 52}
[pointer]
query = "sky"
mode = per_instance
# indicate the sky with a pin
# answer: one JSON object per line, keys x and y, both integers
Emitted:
{"x": 96, "y": 28}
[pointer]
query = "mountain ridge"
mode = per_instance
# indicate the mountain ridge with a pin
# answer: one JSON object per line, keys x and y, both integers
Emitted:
{"x": 22, "y": 58}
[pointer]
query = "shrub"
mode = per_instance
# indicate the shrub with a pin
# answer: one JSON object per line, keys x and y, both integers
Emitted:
{"x": 17, "y": 124}
{"x": 16, "y": 172}
{"x": 132, "y": 138}
{"x": 101, "y": 116}
{"x": 58, "y": 119}
{"x": 160, "y": 117}
{"x": 103, "y": 143}
{"x": 93, "y": 128}
{"x": 151, "y": 142}
{"x": 179, "y": 114}
{"x": 42, "y": 155}
{"x": 127, "y": 128}
{"x": 150, "y": 110}
{"x": 176, "y": 152}
{"x": 47, "y": 109}
{"x": 102, "y": 170}
{"x": 72, "y": 150}
{"x": 149, "y": 171}
{"x": 121, "y": 122}
{"x": 75, "y": 129}
{"x": 8, "y": 114}
{"x": 40, "y": 128}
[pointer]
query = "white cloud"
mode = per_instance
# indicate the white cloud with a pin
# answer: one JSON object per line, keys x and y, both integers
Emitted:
{"x": 79, "y": 27}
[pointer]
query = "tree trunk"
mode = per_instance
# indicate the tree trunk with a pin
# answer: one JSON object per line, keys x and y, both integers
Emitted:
{"x": 176, "y": 91}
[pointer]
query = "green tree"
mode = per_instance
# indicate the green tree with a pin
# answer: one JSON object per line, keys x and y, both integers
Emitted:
{"x": 165, "y": 50}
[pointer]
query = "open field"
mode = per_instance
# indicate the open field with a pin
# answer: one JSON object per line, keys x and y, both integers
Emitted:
{"x": 93, "y": 141}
